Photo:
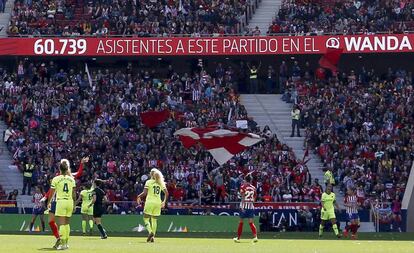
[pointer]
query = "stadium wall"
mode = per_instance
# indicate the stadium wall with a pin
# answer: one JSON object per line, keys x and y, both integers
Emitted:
{"x": 134, "y": 223}
{"x": 408, "y": 203}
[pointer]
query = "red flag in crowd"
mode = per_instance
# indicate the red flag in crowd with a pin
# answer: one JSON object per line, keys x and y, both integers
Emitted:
{"x": 222, "y": 144}
{"x": 331, "y": 58}
{"x": 153, "y": 118}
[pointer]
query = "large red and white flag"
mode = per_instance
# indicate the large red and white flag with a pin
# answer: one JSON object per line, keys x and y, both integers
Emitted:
{"x": 222, "y": 144}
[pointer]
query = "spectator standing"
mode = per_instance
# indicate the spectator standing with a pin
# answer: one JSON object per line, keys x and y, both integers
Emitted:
{"x": 27, "y": 176}
{"x": 270, "y": 82}
{"x": 254, "y": 83}
{"x": 328, "y": 177}
{"x": 2, "y": 5}
{"x": 295, "y": 120}
{"x": 283, "y": 74}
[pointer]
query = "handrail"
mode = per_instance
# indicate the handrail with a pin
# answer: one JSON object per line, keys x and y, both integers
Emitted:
{"x": 374, "y": 214}
{"x": 376, "y": 209}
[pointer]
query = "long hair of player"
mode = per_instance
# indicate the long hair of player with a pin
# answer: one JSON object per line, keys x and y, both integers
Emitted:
{"x": 158, "y": 177}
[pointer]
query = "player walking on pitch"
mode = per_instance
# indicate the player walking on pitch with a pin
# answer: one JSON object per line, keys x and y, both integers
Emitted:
{"x": 86, "y": 196}
{"x": 351, "y": 206}
{"x": 52, "y": 208}
{"x": 98, "y": 198}
{"x": 63, "y": 185}
{"x": 153, "y": 204}
{"x": 38, "y": 209}
{"x": 328, "y": 210}
{"x": 248, "y": 197}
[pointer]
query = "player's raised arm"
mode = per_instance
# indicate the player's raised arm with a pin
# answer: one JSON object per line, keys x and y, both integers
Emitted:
{"x": 79, "y": 173}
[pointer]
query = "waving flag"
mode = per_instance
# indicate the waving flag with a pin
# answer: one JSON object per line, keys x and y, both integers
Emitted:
{"x": 331, "y": 58}
{"x": 222, "y": 144}
{"x": 153, "y": 118}
{"x": 88, "y": 74}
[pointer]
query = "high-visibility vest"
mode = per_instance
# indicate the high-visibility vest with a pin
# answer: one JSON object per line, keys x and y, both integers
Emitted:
{"x": 296, "y": 114}
{"x": 328, "y": 178}
{"x": 253, "y": 74}
{"x": 28, "y": 172}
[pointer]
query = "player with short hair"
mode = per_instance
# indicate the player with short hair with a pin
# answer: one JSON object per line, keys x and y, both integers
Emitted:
{"x": 328, "y": 202}
{"x": 248, "y": 197}
{"x": 153, "y": 203}
{"x": 38, "y": 208}
{"x": 63, "y": 185}
{"x": 351, "y": 207}
{"x": 98, "y": 198}
{"x": 86, "y": 196}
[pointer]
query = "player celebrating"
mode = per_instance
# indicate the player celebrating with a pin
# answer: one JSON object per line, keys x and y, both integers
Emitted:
{"x": 153, "y": 204}
{"x": 328, "y": 201}
{"x": 98, "y": 198}
{"x": 248, "y": 197}
{"x": 63, "y": 185}
{"x": 86, "y": 196}
{"x": 351, "y": 204}
{"x": 38, "y": 209}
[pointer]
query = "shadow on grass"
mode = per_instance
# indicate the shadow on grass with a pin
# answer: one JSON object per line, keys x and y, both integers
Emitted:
{"x": 46, "y": 249}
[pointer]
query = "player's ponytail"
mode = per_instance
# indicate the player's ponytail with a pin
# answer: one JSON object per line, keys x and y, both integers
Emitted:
{"x": 158, "y": 177}
{"x": 64, "y": 166}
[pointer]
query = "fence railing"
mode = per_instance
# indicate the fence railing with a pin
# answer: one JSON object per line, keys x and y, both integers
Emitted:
{"x": 381, "y": 212}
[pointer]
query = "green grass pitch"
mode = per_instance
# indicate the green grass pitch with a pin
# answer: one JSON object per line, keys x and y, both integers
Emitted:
{"x": 41, "y": 243}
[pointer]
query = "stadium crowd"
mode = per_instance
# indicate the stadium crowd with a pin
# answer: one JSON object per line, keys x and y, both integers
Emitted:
{"x": 55, "y": 113}
{"x": 127, "y": 17}
{"x": 360, "y": 124}
{"x": 343, "y": 17}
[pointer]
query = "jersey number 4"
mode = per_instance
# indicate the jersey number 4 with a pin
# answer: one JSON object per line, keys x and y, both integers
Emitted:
{"x": 156, "y": 190}
{"x": 65, "y": 188}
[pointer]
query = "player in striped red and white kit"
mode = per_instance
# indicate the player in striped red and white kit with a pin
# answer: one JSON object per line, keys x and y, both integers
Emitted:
{"x": 38, "y": 209}
{"x": 351, "y": 207}
{"x": 248, "y": 197}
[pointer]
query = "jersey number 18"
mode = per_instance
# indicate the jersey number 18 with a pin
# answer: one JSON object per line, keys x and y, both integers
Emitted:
{"x": 156, "y": 190}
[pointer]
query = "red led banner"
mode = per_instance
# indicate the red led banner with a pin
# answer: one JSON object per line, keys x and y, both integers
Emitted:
{"x": 161, "y": 46}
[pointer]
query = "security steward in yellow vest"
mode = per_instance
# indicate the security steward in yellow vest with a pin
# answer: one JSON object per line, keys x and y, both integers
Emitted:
{"x": 27, "y": 176}
{"x": 254, "y": 83}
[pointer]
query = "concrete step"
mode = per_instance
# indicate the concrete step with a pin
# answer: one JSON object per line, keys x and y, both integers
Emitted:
{"x": 264, "y": 15}
{"x": 272, "y": 111}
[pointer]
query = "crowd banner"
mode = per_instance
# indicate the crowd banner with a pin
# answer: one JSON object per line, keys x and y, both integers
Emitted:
{"x": 134, "y": 223}
{"x": 205, "y": 46}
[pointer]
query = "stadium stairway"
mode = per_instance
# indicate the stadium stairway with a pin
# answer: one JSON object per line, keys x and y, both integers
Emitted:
{"x": 264, "y": 15}
{"x": 5, "y": 18}
{"x": 10, "y": 176}
{"x": 271, "y": 110}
